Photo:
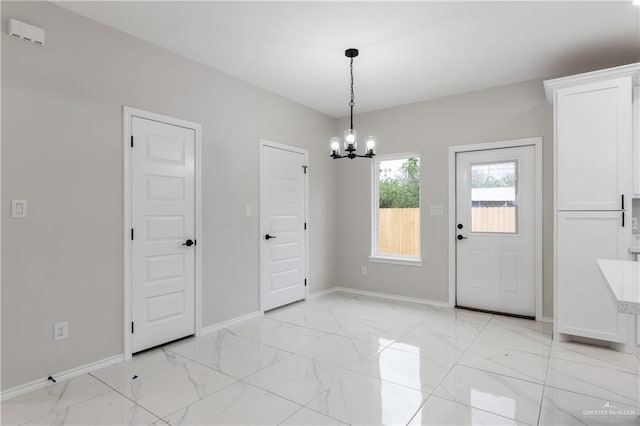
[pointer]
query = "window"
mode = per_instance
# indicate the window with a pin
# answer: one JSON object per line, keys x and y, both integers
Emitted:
{"x": 493, "y": 197}
{"x": 396, "y": 209}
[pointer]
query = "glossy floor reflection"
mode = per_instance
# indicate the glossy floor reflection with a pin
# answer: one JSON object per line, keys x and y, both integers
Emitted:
{"x": 348, "y": 359}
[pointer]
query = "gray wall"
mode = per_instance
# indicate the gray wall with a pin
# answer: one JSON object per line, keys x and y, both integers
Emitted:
{"x": 429, "y": 128}
{"x": 62, "y": 151}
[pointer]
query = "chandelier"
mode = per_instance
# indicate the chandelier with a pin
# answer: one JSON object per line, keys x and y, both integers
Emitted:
{"x": 350, "y": 136}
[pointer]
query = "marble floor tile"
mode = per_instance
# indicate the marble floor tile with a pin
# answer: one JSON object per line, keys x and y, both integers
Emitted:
{"x": 596, "y": 355}
{"x": 289, "y": 337}
{"x": 604, "y": 383}
{"x": 139, "y": 366}
{"x": 341, "y": 351}
{"x": 306, "y": 417}
{"x": 173, "y": 389}
{"x": 298, "y": 378}
{"x": 287, "y": 313}
{"x": 253, "y": 327}
{"x": 328, "y": 301}
{"x": 464, "y": 325}
{"x": 108, "y": 409}
{"x": 512, "y": 335}
{"x": 238, "y": 404}
{"x": 353, "y": 359}
{"x": 420, "y": 310}
{"x": 193, "y": 347}
{"x": 50, "y": 399}
{"x": 365, "y": 400}
{"x": 563, "y": 408}
{"x": 420, "y": 340}
{"x": 327, "y": 322}
{"x": 508, "y": 362}
{"x": 541, "y": 326}
{"x": 443, "y": 412}
{"x": 241, "y": 359}
{"x": 407, "y": 369}
{"x": 497, "y": 394}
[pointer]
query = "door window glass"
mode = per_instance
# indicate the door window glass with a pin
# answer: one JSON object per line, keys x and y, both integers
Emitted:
{"x": 494, "y": 193}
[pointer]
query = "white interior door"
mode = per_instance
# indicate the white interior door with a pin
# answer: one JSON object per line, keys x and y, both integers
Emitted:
{"x": 495, "y": 250}
{"x": 163, "y": 221}
{"x": 282, "y": 210}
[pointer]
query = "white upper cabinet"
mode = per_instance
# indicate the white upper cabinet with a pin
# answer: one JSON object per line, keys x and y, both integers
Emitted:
{"x": 593, "y": 139}
{"x": 594, "y": 145}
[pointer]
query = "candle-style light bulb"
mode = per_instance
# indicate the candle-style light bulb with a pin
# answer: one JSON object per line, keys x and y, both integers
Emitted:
{"x": 371, "y": 145}
{"x": 350, "y": 140}
{"x": 335, "y": 146}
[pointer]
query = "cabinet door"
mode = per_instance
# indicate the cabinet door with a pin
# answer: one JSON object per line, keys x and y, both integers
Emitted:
{"x": 585, "y": 306}
{"x": 636, "y": 145}
{"x": 594, "y": 145}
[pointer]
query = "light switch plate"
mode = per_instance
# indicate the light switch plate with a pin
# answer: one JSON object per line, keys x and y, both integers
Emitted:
{"x": 18, "y": 208}
{"x": 436, "y": 210}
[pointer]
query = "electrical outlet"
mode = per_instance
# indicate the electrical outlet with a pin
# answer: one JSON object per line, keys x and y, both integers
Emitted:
{"x": 364, "y": 270}
{"x": 61, "y": 330}
{"x": 634, "y": 223}
{"x": 247, "y": 210}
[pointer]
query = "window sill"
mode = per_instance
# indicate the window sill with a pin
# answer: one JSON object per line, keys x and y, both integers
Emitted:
{"x": 396, "y": 260}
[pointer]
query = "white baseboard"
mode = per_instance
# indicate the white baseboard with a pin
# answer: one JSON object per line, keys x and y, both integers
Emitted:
{"x": 215, "y": 327}
{"x": 390, "y": 296}
{"x": 60, "y": 377}
{"x": 547, "y": 319}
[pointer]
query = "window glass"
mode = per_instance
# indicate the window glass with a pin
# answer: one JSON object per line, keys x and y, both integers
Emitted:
{"x": 493, "y": 197}
{"x": 398, "y": 207}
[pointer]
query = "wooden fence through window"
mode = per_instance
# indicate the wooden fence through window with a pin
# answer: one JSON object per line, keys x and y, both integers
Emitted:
{"x": 399, "y": 229}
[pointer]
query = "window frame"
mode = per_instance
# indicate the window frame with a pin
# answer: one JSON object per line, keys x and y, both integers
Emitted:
{"x": 376, "y": 256}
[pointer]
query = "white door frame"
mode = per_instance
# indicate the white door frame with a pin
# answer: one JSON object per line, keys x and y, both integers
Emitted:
{"x": 128, "y": 114}
{"x": 536, "y": 142}
{"x": 263, "y": 143}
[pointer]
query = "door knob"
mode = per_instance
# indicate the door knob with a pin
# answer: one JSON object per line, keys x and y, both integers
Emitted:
{"x": 268, "y": 237}
{"x": 460, "y": 237}
{"x": 188, "y": 243}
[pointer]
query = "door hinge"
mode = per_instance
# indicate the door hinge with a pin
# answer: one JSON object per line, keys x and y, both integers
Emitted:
{"x": 131, "y": 327}
{"x": 131, "y": 141}
{"x": 305, "y": 226}
{"x": 305, "y": 169}
{"x": 131, "y": 234}
{"x": 305, "y": 282}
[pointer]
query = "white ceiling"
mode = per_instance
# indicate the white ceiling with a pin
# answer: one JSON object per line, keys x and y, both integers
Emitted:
{"x": 409, "y": 52}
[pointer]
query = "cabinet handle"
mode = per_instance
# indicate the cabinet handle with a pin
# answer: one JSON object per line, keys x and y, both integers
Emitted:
{"x": 623, "y": 219}
{"x": 622, "y": 197}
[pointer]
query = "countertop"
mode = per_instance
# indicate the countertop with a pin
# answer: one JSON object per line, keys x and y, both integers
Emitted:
{"x": 623, "y": 277}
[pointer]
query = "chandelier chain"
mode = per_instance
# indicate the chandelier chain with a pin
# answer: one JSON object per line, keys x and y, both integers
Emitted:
{"x": 351, "y": 102}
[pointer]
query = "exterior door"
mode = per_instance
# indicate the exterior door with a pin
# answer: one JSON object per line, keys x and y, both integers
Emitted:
{"x": 495, "y": 250}
{"x": 163, "y": 221}
{"x": 282, "y": 210}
